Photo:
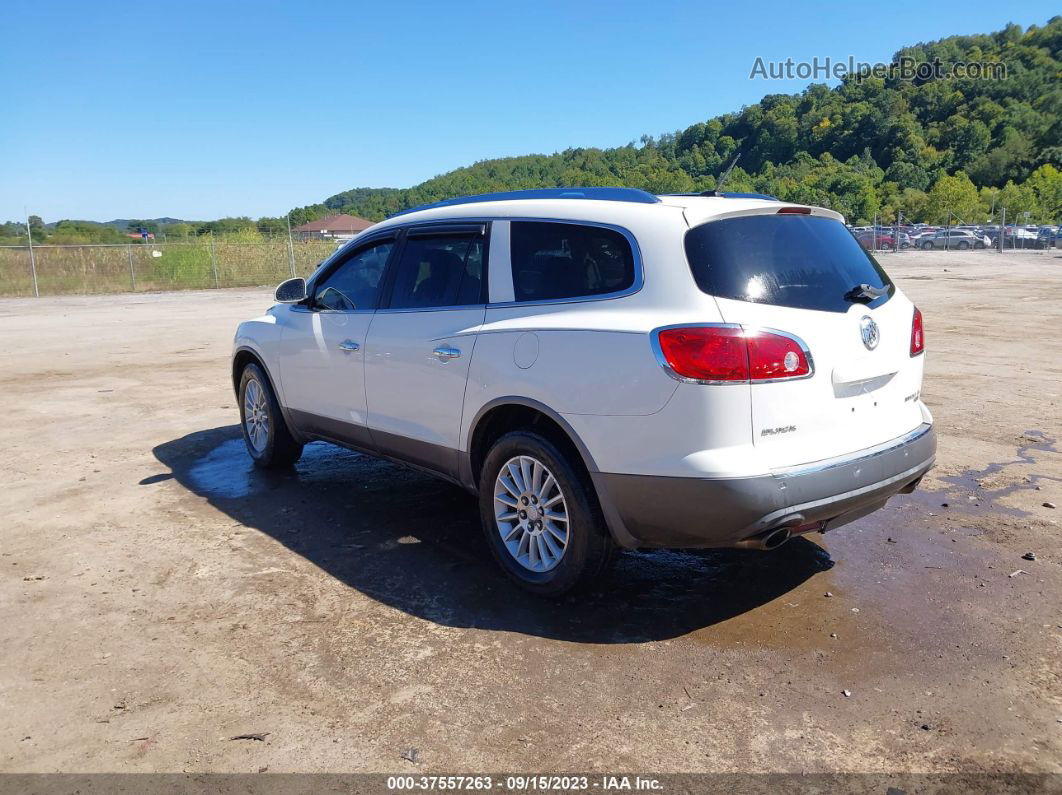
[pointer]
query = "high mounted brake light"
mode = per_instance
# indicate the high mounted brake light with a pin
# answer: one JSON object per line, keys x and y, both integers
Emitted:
{"x": 730, "y": 354}
{"x": 794, "y": 211}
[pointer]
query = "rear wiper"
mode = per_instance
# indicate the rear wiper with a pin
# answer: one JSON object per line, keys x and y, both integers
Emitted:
{"x": 864, "y": 292}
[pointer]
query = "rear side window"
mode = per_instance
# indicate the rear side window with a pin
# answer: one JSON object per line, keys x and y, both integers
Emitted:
{"x": 556, "y": 260}
{"x": 787, "y": 260}
{"x": 444, "y": 270}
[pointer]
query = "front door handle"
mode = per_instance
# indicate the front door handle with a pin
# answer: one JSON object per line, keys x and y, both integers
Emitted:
{"x": 349, "y": 346}
{"x": 445, "y": 353}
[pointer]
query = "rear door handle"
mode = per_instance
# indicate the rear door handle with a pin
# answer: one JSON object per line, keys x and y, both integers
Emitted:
{"x": 349, "y": 346}
{"x": 445, "y": 353}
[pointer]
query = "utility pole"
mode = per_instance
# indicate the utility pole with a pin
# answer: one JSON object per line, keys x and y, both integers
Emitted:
{"x": 33, "y": 260}
{"x": 291, "y": 248}
{"x": 1002, "y": 229}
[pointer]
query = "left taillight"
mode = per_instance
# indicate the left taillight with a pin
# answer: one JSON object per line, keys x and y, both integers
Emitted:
{"x": 918, "y": 334}
{"x": 728, "y": 354}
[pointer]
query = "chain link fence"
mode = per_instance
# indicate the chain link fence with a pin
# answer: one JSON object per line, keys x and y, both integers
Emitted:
{"x": 204, "y": 263}
{"x": 207, "y": 263}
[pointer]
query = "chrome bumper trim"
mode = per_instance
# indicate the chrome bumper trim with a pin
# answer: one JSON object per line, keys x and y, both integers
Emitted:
{"x": 860, "y": 455}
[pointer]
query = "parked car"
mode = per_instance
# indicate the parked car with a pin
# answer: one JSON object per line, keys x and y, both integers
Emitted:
{"x": 606, "y": 369}
{"x": 1046, "y": 237}
{"x": 876, "y": 241}
{"x": 953, "y": 238}
{"x": 1016, "y": 237}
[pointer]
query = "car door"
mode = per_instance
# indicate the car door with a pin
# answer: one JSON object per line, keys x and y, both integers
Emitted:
{"x": 322, "y": 345}
{"x": 420, "y": 344}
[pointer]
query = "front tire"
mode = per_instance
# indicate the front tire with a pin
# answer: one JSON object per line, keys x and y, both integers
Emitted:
{"x": 541, "y": 516}
{"x": 265, "y": 434}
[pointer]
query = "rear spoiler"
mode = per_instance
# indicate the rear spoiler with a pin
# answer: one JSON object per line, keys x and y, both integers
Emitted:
{"x": 763, "y": 209}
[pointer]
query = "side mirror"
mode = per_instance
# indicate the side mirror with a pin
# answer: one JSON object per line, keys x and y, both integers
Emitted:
{"x": 290, "y": 292}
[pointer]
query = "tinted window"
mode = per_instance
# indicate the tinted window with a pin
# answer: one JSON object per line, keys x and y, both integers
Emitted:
{"x": 446, "y": 270}
{"x": 355, "y": 283}
{"x": 786, "y": 260}
{"x": 552, "y": 260}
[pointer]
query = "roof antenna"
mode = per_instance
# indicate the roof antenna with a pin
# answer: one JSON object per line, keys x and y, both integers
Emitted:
{"x": 722, "y": 178}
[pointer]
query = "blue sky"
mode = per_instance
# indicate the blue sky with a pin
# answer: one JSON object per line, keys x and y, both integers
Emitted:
{"x": 205, "y": 109}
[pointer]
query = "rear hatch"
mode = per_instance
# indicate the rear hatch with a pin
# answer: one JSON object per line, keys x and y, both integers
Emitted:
{"x": 805, "y": 275}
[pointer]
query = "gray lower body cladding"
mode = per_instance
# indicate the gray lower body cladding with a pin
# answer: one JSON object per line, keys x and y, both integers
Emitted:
{"x": 653, "y": 511}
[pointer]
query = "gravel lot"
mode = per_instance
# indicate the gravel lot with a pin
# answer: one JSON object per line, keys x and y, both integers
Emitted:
{"x": 158, "y": 597}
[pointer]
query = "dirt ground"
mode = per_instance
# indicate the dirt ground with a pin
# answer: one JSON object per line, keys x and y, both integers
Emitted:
{"x": 158, "y": 597}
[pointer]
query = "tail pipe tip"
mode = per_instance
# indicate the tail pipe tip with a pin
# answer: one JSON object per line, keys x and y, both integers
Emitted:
{"x": 768, "y": 539}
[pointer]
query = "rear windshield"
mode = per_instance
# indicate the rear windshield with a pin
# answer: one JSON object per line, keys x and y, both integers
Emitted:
{"x": 787, "y": 260}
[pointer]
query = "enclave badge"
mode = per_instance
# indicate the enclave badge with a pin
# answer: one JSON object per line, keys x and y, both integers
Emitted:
{"x": 868, "y": 330}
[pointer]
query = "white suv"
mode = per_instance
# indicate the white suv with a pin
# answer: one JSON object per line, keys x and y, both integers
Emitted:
{"x": 605, "y": 368}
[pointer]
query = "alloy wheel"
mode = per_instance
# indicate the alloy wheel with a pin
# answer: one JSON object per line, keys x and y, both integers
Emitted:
{"x": 256, "y": 415}
{"x": 531, "y": 514}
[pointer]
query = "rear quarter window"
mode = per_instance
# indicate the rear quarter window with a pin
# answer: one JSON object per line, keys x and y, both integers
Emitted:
{"x": 798, "y": 261}
{"x": 552, "y": 261}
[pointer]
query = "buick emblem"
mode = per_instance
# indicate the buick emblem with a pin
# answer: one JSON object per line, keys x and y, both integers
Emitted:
{"x": 868, "y": 330}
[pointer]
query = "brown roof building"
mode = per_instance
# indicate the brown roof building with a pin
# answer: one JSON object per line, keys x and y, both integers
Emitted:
{"x": 333, "y": 226}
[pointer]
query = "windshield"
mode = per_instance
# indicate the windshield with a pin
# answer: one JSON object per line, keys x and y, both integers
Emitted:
{"x": 790, "y": 260}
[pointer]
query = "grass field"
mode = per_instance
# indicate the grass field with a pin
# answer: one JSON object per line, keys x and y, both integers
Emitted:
{"x": 82, "y": 270}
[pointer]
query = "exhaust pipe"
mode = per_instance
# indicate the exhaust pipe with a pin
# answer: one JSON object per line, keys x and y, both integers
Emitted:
{"x": 767, "y": 540}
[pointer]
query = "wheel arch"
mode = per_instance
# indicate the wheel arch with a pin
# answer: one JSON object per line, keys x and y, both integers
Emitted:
{"x": 512, "y": 412}
{"x": 504, "y": 414}
{"x": 245, "y": 355}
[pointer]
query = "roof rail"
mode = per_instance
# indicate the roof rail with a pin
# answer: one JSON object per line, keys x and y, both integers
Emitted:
{"x": 766, "y": 196}
{"x": 715, "y": 195}
{"x": 598, "y": 194}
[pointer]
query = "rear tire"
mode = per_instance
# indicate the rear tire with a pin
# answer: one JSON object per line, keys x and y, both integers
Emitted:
{"x": 525, "y": 488}
{"x": 927, "y": 246}
{"x": 267, "y": 437}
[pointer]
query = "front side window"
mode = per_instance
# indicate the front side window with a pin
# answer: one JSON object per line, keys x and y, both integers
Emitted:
{"x": 439, "y": 270}
{"x": 557, "y": 260}
{"x": 355, "y": 284}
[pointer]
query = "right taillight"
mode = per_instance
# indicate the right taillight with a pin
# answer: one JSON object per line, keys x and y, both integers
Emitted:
{"x": 729, "y": 354}
{"x": 774, "y": 356}
{"x": 918, "y": 334}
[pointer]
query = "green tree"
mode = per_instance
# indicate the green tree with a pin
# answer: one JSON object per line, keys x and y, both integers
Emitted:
{"x": 37, "y": 228}
{"x": 1018, "y": 200}
{"x": 952, "y": 198}
{"x": 1046, "y": 185}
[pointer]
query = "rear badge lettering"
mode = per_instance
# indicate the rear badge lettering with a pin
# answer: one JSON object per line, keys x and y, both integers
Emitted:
{"x": 776, "y": 431}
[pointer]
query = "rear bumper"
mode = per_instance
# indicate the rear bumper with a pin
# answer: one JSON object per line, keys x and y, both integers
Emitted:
{"x": 652, "y": 511}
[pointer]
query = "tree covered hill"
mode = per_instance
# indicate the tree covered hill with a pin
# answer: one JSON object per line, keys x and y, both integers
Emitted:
{"x": 934, "y": 149}
{"x": 869, "y": 147}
